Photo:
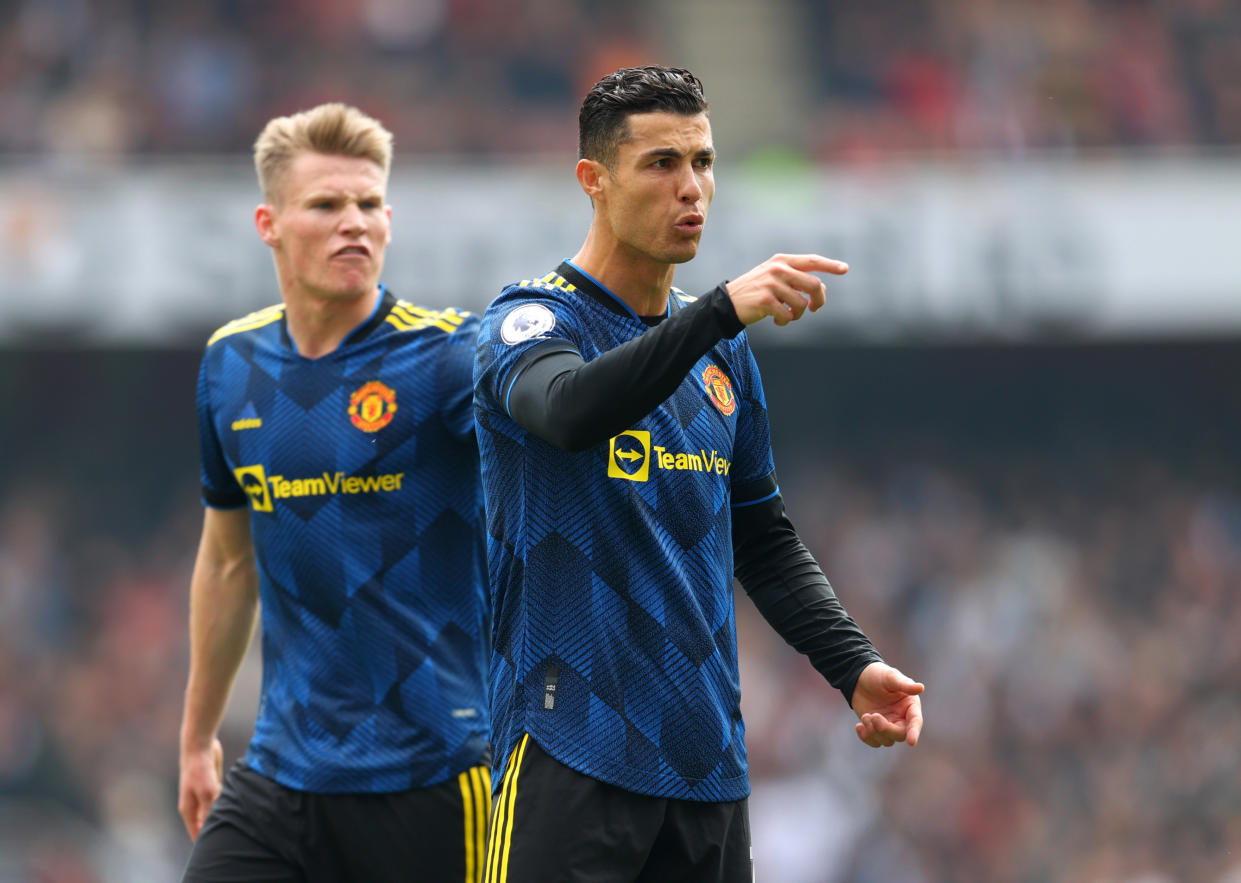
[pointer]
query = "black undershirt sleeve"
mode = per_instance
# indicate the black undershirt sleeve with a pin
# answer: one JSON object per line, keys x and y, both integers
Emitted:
{"x": 788, "y": 587}
{"x": 574, "y": 404}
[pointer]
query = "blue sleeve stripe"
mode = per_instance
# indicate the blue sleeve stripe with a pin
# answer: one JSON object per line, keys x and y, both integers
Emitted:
{"x": 509, "y": 392}
{"x": 529, "y": 357}
{"x": 774, "y": 493}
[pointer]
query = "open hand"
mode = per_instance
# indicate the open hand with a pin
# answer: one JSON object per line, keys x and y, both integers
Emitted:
{"x": 888, "y": 706}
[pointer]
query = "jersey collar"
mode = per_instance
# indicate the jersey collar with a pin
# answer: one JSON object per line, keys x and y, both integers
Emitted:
{"x": 594, "y": 289}
{"x": 383, "y": 306}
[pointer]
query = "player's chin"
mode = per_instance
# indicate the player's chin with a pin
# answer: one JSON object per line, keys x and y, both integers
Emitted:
{"x": 352, "y": 286}
{"x": 682, "y": 252}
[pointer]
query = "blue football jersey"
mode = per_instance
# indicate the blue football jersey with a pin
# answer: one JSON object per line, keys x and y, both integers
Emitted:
{"x": 361, "y": 473}
{"x": 611, "y": 569}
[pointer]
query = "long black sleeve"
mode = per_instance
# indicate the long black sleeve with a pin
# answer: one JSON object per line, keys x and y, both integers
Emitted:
{"x": 574, "y": 404}
{"x": 790, "y": 590}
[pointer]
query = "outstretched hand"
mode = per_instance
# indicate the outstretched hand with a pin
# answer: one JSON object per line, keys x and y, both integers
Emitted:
{"x": 782, "y": 287}
{"x": 888, "y": 706}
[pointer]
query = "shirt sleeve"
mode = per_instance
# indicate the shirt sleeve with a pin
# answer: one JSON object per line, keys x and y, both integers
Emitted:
{"x": 455, "y": 377}
{"x": 792, "y": 593}
{"x": 220, "y": 489}
{"x": 518, "y": 326}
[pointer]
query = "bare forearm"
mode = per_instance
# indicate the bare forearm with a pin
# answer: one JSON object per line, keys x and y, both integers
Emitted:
{"x": 223, "y": 613}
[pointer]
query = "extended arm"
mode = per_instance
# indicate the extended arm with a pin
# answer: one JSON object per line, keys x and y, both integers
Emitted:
{"x": 223, "y": 607}
{"x": 790, "y": 590}
{"x": 574, "y": 404}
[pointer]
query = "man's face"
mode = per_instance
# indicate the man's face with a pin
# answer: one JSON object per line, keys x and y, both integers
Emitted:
{"x": 657, "y": 195}
{"x": 328, "y": 225}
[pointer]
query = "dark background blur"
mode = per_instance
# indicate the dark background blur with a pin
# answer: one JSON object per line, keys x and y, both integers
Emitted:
{"x": 1011, "y": 438}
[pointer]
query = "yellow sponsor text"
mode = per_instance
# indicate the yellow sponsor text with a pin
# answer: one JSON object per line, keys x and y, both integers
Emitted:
{"x": 333, "y": 483}
{"x": 699, "y": 462}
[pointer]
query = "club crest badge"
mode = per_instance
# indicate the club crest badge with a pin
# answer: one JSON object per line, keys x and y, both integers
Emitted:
{"x": 720, "y": 390}
{"x": 372, "y": 406}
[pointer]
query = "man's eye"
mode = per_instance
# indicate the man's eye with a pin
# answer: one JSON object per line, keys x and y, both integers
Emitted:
{"x": 369, "y": 204}
{"x": 705, "y": 162}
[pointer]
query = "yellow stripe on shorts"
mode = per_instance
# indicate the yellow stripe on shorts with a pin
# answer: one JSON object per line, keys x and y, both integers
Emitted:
{"x": 476, "y": 805}
{"x": 500, "y": 837}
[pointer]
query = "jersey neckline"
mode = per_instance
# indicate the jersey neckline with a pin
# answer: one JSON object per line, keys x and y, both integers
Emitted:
{"x": 597, "y": 291}
{"x": 383, "y": 306}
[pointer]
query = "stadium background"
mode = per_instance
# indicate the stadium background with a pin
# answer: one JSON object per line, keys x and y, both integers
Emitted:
{"x": 1011, "y": 438}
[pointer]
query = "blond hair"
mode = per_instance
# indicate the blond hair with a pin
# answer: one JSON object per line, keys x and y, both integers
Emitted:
{"x": 334, "y": 129}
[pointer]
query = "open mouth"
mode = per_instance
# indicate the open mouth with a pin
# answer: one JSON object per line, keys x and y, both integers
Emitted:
{"x": 360, "y": 251}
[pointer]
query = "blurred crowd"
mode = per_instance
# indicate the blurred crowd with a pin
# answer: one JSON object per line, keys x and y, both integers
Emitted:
{"x": 1074, "y": 617}
{"x": 446, "y": 76}
{"x": 1075, "y": 622}
{"x": 1016, "y": 75}
{"x": 487, "y": 77}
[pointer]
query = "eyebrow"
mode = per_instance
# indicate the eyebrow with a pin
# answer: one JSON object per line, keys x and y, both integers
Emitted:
{"x": 319, "y": 195}
{"x": 674, "y": 153}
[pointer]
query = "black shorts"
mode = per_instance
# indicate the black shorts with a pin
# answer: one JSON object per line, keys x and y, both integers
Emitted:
{"x": 259, "y": 830}
{"x": 552, "y": 824}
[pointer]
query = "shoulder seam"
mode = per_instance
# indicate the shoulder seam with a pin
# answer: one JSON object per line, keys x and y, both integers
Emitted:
{"x": 548, "y": 282}
{"x": 405, "y": 316}
{"x": 248, "y": 322}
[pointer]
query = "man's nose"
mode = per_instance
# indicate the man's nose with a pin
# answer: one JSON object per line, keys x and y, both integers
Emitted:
{"x": 689, "y": 186}
{"x": 352, "y": 218}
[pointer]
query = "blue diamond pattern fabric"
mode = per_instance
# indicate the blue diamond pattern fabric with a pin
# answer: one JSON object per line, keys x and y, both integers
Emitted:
{"x": 361, "y": 473}
{"x": 611, "y": 569}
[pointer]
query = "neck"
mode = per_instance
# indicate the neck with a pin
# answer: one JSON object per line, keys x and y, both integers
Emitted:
{"x": 318, "y": 324}
{"x": 639, "y": 281}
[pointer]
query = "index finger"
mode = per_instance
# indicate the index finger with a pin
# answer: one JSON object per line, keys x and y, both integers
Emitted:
{"x": 816, "y": 263}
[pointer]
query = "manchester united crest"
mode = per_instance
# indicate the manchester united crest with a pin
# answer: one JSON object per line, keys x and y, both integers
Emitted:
{"x": 372, "y": 406}
{"x": 719, "y": 390}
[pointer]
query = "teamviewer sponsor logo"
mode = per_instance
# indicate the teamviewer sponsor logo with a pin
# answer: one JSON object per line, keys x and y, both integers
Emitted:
{"x": 629, "y": 455}
{"x": 632, "y": 456}
{"x": 263, "y": 489}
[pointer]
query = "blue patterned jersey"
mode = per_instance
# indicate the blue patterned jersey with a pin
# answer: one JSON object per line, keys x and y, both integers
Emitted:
{"x": 611, "y": 569}
{"x": 360, "y": 469}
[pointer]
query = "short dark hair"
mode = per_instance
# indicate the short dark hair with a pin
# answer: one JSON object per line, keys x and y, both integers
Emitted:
{"x": 602, "y": 123}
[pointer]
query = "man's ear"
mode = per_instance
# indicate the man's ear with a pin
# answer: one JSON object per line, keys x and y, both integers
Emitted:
{"x": 591, "y": 174}
{"x": 265, "y": 223}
